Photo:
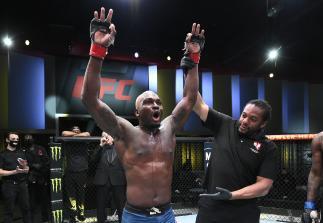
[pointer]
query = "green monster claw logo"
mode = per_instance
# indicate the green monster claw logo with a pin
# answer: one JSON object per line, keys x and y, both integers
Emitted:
{"x": 56, "y": 184}
{"x": 57, "y": 216}
{"x": 56, "y": 152}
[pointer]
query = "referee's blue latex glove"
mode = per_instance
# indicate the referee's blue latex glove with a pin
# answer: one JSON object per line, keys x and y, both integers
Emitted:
{"x": 220, "y": 194}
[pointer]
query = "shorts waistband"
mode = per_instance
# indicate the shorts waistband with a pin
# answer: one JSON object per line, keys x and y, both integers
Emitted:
{"x": 150, "y": 211}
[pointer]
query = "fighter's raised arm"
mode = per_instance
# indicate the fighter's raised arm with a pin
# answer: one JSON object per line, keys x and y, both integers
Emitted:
{"x": 194, "y": 44}
{"x": 102, "y": 33}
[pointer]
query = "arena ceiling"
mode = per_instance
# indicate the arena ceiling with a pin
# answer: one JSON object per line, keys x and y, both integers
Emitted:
{"x": 238, "y": 33}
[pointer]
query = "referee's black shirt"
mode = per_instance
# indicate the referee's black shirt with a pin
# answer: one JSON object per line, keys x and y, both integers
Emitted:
{"x": 237, "y": 160}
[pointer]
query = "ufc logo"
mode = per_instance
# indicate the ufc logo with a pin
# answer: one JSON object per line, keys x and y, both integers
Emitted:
{"x": 107, "y": 85}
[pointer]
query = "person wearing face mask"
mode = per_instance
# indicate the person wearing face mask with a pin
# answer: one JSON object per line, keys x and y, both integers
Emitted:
{"x": 14, "y": 171}
{"x": 242, "y": 165}
{"x": 109, "y": 177}
{"x": 38, "y": 178}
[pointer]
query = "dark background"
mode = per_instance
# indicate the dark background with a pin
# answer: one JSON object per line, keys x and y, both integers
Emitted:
{"x": 238, "y": 33}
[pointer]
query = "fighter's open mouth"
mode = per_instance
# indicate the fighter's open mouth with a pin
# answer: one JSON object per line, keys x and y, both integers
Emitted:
{"x": 156, "y": 115}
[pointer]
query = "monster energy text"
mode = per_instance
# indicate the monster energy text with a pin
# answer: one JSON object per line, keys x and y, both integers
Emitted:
{"x": 56, "y": 152}
{"x": 57, "y": 216}
{"x": 56, "y": 184}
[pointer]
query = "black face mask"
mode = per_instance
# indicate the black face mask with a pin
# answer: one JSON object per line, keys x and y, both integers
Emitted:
{"x": 13, "y": 143}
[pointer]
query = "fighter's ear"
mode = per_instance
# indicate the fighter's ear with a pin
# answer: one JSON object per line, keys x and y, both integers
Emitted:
{"x": 136, "y": 113}
{"x": 263, "y": 125}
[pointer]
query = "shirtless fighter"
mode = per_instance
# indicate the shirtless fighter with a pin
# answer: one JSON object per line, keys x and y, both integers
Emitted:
{"x": 146, "y": 151}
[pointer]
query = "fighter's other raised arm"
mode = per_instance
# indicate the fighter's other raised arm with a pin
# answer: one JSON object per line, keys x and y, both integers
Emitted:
{"x": 194, "y": 44}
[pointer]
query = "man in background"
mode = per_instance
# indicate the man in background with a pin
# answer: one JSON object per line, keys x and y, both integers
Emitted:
{"x": 75, "y": 132}
{"x": 38, "y": 178}
{"x": 109, "y": 178}
{"x": 76, "y": 173}
{"x": 14, "y": 171}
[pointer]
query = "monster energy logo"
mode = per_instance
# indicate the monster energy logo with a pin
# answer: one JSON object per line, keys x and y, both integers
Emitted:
{"x": 57, "y": 216}
{"x": 56, "y": 152}
{"x": 56, "y": 184}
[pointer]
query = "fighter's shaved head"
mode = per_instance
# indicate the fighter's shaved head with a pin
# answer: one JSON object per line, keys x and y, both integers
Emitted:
{"x": 144, "y": 95}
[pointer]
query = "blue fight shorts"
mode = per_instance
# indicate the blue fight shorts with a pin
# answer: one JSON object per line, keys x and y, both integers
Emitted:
{"x": 159, "y": 214}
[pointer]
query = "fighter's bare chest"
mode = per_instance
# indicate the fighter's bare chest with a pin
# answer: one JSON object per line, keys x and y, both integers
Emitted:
{"x": 153, "y": 146}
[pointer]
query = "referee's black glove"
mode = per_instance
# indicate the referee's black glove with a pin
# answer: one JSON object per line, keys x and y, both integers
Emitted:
{"x": 220, "y": 194}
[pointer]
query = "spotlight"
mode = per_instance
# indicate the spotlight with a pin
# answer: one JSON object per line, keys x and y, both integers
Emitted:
{"x": 273, "y": 54}
{"x": 168, "y": 58}
{"x": 136, "y": 55}
{"x": 27, "y": 42}
{"x": 271, "y": 75}
{"x": 7, "y": 41}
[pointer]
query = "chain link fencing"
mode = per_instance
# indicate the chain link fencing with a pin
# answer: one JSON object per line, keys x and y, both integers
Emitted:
{"x": 283, "y": 203}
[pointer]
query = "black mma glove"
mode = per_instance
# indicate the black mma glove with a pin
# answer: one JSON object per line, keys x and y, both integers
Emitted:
{"x": 98, "y": 25}
{"x": 220, "y": 194}
{"x": 100, "y": 49}
{"x": 199, "y": 40}
{"x": 310, "y": 213}
{"x": 190, "y": 59}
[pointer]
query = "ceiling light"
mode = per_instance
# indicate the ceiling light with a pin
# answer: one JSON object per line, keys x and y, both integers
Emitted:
{"x": 7, "y": 41}
{"x": 136, "y": 54}
{"x": 168, "y": 58}
{"x": 271, "y": 75}
{"x": 272, "y": 55}
{"x": 27, "y": 42}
